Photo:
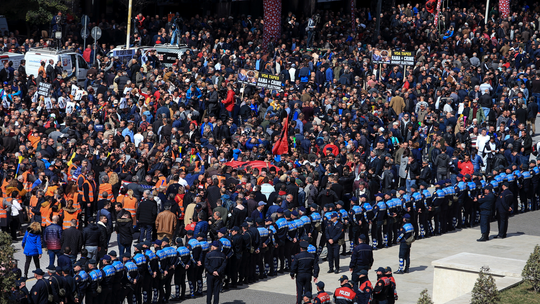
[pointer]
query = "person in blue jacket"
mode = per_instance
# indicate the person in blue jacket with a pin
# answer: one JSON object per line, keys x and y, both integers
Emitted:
{"x": 31, "y": 245}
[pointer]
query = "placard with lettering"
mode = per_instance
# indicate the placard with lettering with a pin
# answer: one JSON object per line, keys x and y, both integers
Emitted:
{"x": 271, "y": 82}
{"x": 44, "y": 89}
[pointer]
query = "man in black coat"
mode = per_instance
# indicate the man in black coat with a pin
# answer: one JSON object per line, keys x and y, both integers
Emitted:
{"x": 361, "y": 259}
{"x": 503, "y": 207}
{"x": 292, "y": 189}
{"x": 532, "y": 111}
{"x": 146, "y": 215}
{"x": 92, "y": 237}
{"x": 72, "y": 238}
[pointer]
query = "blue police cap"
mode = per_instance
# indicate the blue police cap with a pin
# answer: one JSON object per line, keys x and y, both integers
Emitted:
{"x": 407, "y": 216}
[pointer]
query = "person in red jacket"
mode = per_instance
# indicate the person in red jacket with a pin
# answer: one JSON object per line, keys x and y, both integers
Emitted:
{"x": 229, "y": 101}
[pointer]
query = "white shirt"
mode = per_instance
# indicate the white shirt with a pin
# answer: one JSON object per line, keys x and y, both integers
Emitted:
{"x": 481, "y": 142}
{"x": 15, "y": 207}
{"x": 138, "y": 138}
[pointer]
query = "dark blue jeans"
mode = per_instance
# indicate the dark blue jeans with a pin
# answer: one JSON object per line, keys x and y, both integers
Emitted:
{"x": 123, "y": 249}
{"x": 146, "y": 232}
{"x": 52, "y": 255}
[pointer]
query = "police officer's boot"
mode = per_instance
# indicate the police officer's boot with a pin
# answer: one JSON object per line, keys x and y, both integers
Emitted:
{"x": 483, "y": 238}
{"x": 177, "y": 293}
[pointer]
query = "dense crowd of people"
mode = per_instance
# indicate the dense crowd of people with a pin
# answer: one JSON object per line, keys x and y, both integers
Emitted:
{"x": 182, "y": 155}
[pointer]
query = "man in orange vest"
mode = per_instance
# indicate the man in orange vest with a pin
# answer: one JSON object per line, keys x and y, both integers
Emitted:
{"x": 73, "y": 168}
{"x": 89, "y": 196}
{"x": 105, "y": 187}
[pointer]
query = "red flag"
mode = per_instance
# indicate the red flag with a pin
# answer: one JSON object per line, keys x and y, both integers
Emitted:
{"x": 282, "y": 145}
{"x": 504, "y": 8}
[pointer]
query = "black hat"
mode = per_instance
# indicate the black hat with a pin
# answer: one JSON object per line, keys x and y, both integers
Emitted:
{"x": 320, "y": 284}
{"x": 179, "y": 241}
{"x": 113, "y": 253}
{"x": 380, "y": 269}
{"x": 363, "y": 272}
{"x": 51, "y": 268}
{"x": 362, "y": 237}
{"x": 165, "y": 239}
{"x": 506, "y": 184}
{"x": 343, "y": 278}
{"x": 92, "y": 261}
{"x": 127, "y": 255}
{"x": 38, "y": 272}
{"x": 304, "y": 244}
{"x": 202, "y": 235}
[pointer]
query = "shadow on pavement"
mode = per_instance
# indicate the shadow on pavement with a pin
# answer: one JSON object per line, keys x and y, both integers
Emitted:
{"x": 417, "y": 268}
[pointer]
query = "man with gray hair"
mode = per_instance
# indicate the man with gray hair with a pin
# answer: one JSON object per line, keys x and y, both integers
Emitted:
{"x": 146, "y": 216}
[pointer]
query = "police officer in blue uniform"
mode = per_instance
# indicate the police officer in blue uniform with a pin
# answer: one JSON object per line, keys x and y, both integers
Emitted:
{"x": 81, "y": 281}
{"x": 142, "y": 288}
{"x": 94, "y": 288}
{"x": 334, "y": 232}
{"x": 238, "y": 250}
{"x": 535, "y": 180}
{"x": 405, "y": 239}
{"x": 316, "y": 224}
{"x": 226, "y": 248}
{"x": 196, "y": 251}
{"x": 503, "y": 205}
{"x": 281, "y": 238}
{"x": 380, "y": 216}
{"x": 183, "y": 263}
{"x": 215, "y": 264}
{"x": 40, "y": 291}
{"x": 270, "y": 263}
{"x": 265, "y": 241}
{"x": 107, "y": 272}
{"x": 131, "y": 279}
{"x": 369, "y": 216}
{"x": 151, "y": 272}
{"x": 361, "y": 259}
{"x": 118, "y": 275}
{"x": 486, "y": 202}
{"x": 304, "y": 266}
{"x": 356, "y": 220}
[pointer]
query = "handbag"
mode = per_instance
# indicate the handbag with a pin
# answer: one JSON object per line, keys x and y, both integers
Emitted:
{"x": 50, "y": 297}
{"x": 61, "y": 291}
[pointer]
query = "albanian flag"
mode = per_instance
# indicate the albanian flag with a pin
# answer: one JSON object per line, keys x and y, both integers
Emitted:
{"x": 431, "y": 5}
{"x": 504, "y": 8}
{"x": 272, "y": 21}
{"x": 282, "y": 145}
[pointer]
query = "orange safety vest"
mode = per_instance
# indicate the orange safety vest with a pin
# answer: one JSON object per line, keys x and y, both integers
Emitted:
{"x": 130, "y": 204}
{"x": 26, "y": 184}
{"x": 50, "y": 190}
{"x": 70, "y": 214}
{"x": 107, "y": 188}
{"x": 162, "y": 181}
{"x": 3, "y": 215}
{"x": 3, "y": 188}
{"x": 32, "y": 204}
{"x": 81, "y": 179}
{"x": 324, "y": 298}
{"x": 179, "y": 198}
{"x": 75, "y": 198}
{"x": 46, "y": 216}
{"x": 91, "y": 189}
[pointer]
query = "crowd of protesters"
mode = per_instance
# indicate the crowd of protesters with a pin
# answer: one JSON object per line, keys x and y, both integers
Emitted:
{"x": 149, "y": 148}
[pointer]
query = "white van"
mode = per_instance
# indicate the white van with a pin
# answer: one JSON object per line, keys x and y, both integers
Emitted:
{"x": 168, "y": 54}
{"x": 13, "y": 57}
{"x": 69, "y": 59}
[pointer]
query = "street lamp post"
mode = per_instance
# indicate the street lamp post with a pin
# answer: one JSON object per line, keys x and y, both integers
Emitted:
{"x": 128, "y": 24}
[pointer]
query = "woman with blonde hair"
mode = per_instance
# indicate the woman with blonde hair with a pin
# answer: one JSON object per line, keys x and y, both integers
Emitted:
{"x": 31, "y": 245}
{"x": 115, "y": 183}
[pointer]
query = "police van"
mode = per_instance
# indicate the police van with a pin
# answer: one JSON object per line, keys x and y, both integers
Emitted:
{"x": 166, "y": 53}
{"x": 124, "y": 54}
{"x": 69, "y": 59}
{"x": 13, "y": 57}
